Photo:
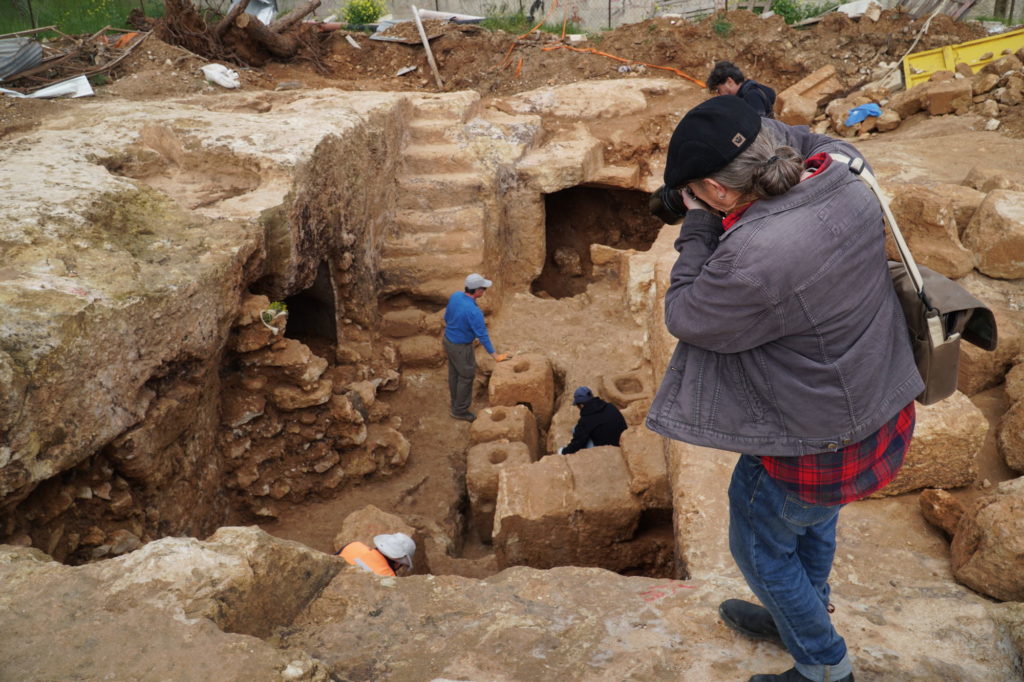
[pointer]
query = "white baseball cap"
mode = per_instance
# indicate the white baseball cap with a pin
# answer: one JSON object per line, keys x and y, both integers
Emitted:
{"x": 397, "y": 546}
{"x": 476, "y": 281}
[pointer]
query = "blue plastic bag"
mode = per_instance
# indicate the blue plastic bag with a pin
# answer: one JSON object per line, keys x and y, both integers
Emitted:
{"x": 858, "y": 114}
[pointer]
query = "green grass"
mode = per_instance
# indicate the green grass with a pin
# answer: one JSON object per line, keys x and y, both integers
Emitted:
{"x": 794, "y": 10}
{"x": 519, "y": 23}
{"x": 722, "y": 27}
{"x": 999, "y": 20}
{"x": 72, "y": 16}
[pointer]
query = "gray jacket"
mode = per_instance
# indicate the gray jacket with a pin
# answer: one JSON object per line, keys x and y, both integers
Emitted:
{"x": 791, "y": 339}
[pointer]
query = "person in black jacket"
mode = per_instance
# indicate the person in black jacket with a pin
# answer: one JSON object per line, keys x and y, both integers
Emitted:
{"x": 727, "y": 79}
{"x": 600, "y": 422}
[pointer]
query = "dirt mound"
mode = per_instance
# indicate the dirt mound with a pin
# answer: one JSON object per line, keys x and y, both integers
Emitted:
{"x": 495, "y": 63}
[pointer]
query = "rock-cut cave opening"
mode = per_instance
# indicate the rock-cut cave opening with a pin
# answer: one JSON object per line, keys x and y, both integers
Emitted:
{"x": 311, "y": 314}
{"x": 577, "y": 217}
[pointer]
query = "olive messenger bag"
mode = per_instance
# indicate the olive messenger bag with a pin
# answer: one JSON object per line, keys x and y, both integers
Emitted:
{"x": 939, "y": 311}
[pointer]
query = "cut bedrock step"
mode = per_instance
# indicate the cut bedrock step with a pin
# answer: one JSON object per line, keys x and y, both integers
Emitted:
{"x": 435, "y": 290}
{"x": 470, "y": 217}
{"x": 430, "y": 131}
{"x": 438, "y": 244}
{"x": 457, "y": 106}
{"x": 427, "y": 159}
{"x": 429, "y": 266}
{"x": 441, "y": 190}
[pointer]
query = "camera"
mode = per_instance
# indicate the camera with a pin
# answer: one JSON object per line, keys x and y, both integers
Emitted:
{"x": 667, "y": 205}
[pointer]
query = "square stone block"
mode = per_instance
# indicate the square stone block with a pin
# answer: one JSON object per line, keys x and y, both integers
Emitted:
{"x": 483, "y": 462}
{"x": 526, "y": 379}
{"x": 513, "y": 423}
{"x": 606, "y": 511}
{"x": 530, "y": 517}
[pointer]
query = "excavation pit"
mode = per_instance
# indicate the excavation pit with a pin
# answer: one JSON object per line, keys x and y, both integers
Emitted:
{"x": 577, "y": 217}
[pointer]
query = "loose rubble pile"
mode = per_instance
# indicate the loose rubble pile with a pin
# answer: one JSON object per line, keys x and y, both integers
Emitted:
{"x": 293, "y": 427}
{"x": 817, "y": 99}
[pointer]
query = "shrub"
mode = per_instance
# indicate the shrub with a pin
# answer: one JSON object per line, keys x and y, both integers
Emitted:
{"x": 722, "y": 27}
{"x": 363, "y": 11}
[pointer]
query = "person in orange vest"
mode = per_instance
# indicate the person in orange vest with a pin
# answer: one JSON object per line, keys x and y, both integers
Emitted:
{"x": 393, "y": 551}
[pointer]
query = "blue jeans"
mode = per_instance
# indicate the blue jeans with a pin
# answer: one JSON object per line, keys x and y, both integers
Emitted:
{"x": 785, "y": 547}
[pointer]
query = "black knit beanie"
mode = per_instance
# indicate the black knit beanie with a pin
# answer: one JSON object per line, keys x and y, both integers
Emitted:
{"x": 710, "y": 135}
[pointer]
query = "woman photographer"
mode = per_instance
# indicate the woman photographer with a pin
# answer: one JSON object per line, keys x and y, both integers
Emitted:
{"x": 793, "y": 351}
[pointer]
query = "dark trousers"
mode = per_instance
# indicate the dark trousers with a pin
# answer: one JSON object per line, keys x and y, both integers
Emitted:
{"x": 461, "y": 371}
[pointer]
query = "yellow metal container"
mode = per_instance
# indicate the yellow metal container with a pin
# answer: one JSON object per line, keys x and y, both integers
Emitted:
{"x": 919, "y": 66}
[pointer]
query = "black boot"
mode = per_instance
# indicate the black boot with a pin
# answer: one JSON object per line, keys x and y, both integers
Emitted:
{"x": 792, "y": 675}
{"x": 750, "y": 620}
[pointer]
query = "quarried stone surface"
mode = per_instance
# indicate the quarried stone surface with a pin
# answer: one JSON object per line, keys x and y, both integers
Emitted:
{"x": 530, "y": 515}
{"x": 644, "y": 453}
{"x": 798, "y": 103}
{"x": 526, "y": 379}
{"x": 941, "y": 509}
{"x": 985, "y": 179}
{"x": 1011, "y": 436}
{"x": 514, "y": 423}
{"x": 483, "y": 463}
{"x": 565, "y": 509}
{"x": 421, "y": 351}
{"x": 996, "y": 234}
{"x": 988, "y": 548}
{"x": 943, "y": 452}
{"x": 927, "y": 221}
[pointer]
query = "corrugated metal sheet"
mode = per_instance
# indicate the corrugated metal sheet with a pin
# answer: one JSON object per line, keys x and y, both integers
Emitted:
{"x": 18, "y": 54}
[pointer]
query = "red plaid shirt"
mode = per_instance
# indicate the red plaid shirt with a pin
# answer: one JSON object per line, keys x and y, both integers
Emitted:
{"x": 856, "y": 471}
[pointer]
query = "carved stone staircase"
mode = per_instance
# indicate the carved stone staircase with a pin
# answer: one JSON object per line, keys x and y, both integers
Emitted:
{"x": 438, "y": 233}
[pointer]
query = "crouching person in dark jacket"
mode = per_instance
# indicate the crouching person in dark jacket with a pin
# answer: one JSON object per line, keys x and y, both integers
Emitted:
{"x": 792, "y": 350}
{"x": 600, "y": 423}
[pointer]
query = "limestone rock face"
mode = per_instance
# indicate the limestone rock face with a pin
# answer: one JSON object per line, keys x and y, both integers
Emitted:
{"x": 988, "y": 548}
{"x": 163, "y": 612}
{"x": 943, "y": 452}
{"x": 928, "y": 223}
{"x": 996, "y": 234}
{"x": 124, "y": 287}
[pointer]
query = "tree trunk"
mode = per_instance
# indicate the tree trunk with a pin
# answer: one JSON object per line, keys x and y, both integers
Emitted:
{"x": 293, "y": 17}
{"x": 229, "y": 19}
{"x": 281, "y": 46}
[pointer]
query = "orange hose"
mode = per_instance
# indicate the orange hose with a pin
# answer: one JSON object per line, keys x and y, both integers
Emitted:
{"x": 519, "y": 67}
{"x": 505, "y": 62}
{"x": 591, "y": 50}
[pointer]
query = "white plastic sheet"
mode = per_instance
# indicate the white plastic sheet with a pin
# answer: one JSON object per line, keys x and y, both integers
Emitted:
{"x": 73, "y": 87}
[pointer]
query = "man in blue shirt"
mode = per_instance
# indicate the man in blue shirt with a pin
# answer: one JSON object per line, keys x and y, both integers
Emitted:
{"x": 464, "y": 323}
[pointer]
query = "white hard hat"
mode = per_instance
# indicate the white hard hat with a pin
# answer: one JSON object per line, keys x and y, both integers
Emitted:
{"x": 397, "y": 546}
